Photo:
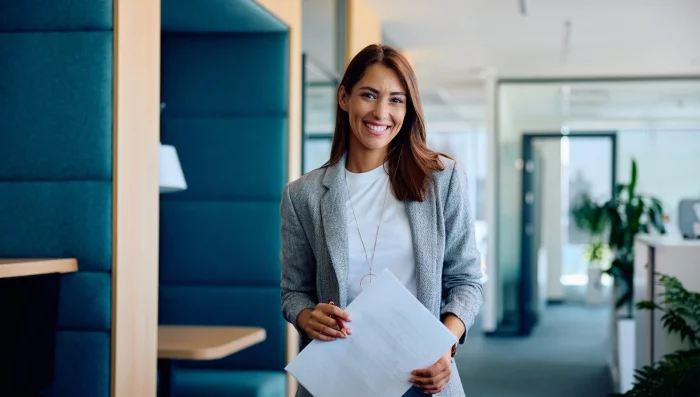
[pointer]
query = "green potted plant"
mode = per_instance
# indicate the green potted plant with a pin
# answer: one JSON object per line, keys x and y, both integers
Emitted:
{"x": 626, "y": 214}
{"x": 591, "y": 217}
{"x": 629, "y": 213}
{"x": 676, "y": 374}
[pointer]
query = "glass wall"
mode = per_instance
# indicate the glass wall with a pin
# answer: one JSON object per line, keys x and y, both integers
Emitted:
{"x": 319, "y": 121}
{"x": 320, "y": 38}
{"x": 469, "y": 148}
{"x": 656, "y": 122}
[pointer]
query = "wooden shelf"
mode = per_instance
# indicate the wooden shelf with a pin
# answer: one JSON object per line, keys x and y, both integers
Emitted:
{"x": 31, "y": 267}
{"x": 205, "y": 342}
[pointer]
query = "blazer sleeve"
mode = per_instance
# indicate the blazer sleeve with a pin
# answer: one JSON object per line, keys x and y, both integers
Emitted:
{"x": 462, "y": 289}
{"x": 298, "y": 264}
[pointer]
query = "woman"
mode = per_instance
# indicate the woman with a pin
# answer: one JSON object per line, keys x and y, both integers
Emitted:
{"x": 383, "y": 200}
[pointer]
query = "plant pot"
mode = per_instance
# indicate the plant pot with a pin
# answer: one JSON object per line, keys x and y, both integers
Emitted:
{"x": 622, "y": 358}
{"x": 594, "y": 288}
{"x": 626, "y": 353}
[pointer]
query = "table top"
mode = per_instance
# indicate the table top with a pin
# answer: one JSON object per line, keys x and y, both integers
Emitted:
{"x": 19, "y": 267}
{"x": 205, "y": 342}
{"x": 671, "y": 239}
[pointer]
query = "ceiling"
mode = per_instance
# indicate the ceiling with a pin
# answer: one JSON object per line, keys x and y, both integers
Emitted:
{"x": 609, "y": 101}
{"x": 455, "y": 44}
{"x": 462, "y": 38}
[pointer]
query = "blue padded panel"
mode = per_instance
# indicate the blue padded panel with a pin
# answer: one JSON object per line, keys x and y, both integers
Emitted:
{"x": 252, "y": 306}
{"x": 212, "y": 170}
{"x": 218, "y": 16}
{"x": 56, "y": 105}
{"x": 82, "y": 365}
{"x": 220, "y": 243}
{"x": 52, "y": 15}
{"x": 58, "y": 220}
{"x": 218, "y": 383}
{"x": 86, "y": 301}
{"x": 224, "y": 76}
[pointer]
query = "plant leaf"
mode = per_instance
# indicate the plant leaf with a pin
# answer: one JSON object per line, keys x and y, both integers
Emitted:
{"x": 648, "y": 305}
{"x": 633, "y": 178}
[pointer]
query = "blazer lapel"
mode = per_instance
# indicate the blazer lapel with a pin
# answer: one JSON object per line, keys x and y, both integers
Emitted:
{"x": 335, "y": 225}
{"x": 422, "y": 217}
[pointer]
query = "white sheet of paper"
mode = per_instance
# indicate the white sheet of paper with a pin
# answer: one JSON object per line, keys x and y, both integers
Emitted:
{"x": 392, "y": 335}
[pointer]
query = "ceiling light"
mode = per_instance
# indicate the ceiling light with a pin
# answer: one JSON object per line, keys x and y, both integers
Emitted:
{"x": 523, "y": 7}
{"x": 567, "y": 41}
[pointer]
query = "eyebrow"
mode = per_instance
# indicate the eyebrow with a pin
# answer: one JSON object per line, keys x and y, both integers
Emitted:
{"x": 374, "y": 90}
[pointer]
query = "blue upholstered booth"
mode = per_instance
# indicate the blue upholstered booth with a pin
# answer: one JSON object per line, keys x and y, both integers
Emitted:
{"x": 56, "y": 169}
{"x": 225, "y": 85}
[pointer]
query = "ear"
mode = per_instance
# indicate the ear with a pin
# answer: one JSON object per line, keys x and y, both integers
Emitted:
{"x": 343, "y": 98}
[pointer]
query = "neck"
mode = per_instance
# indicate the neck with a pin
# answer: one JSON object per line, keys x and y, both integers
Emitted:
{"x": 359, "y": 161}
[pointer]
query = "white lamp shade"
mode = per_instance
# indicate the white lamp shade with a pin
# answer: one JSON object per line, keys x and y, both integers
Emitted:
{"x": 170, "y": 176}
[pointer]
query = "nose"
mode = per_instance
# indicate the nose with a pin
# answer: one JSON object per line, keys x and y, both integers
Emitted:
{"x": 381, "y": 110}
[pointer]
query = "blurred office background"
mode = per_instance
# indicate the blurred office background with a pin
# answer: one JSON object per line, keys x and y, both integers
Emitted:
{"x": 584, "y": 89}
{"x": 144, "y": 146}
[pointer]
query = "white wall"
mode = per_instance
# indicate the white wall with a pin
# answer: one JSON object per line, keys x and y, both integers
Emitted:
{"x": 549, "y": 152}
{"x": 668, "y": 163}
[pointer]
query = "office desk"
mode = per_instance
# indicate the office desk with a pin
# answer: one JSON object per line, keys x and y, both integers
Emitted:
{"x": 200, "y": 343}
{"x": 29, "y": 291}
{"x": 32, "y": 267}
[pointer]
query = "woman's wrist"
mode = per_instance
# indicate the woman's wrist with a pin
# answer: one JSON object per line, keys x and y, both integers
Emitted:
{"x": 303, "y": 318}
{"x": 454, "y": 324}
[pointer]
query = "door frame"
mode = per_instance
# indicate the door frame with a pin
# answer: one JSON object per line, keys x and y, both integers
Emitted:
{"x": 527, "y": 318}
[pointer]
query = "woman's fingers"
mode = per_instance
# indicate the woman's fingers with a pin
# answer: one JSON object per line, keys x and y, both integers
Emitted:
{"x": 330, "y": 331}
{"x": 433, "y": 379}
{"x": 327, "y": 321}
{"x": 316, "y": 330}
{"x": 322, "y": 323}
{"x": 335, "y": 311}
{"x": 317, "y": 335}
{"x": 432, "y": 385}
{"x": 326, "y": 326}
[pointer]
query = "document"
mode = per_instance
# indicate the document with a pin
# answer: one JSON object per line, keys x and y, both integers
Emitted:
{"x": 392, "y": 335}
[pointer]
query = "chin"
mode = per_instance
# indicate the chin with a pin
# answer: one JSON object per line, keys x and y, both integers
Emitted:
{"x": 376, "y": 145}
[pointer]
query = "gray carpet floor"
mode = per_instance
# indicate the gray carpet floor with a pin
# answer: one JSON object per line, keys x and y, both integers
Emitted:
{"x": 566, "y": 356}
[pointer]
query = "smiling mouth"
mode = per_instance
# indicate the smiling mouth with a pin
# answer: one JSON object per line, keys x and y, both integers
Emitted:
{"x": 376, "y": 129}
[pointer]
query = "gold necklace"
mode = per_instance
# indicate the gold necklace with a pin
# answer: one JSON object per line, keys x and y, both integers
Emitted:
{"x": 369, "y": 275}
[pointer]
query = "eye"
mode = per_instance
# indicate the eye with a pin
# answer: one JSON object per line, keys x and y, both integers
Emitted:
{"x": 368, "y": 95}
{"x": 397, "y": 100}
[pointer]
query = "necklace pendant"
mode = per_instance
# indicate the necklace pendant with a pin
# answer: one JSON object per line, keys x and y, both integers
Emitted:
{"x": 366, "y": 279}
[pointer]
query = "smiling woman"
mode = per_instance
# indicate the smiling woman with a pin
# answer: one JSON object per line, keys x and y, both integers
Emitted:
{"x": 377, "y": 99}
{"x": 376, "y": 111}
{"x": 384, "y": 200}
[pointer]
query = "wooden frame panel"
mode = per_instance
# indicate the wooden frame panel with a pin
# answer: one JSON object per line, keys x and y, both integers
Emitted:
{"x": 289, "y": 12}
{"x": 135, "y": 197}
{"x": 362, "y": 28}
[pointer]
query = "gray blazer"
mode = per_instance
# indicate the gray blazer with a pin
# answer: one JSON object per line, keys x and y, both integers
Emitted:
{"x": 315, "y": 249}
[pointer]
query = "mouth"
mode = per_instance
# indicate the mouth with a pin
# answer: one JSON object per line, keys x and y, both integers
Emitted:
{"x": 375, "y": 129}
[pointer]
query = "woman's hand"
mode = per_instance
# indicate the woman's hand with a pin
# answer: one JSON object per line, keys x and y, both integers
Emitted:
{"x": 320, "y": 322}
{"x": 433, "y": 379}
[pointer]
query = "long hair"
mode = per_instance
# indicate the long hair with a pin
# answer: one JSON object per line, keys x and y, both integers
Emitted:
{"x": 410, "y": 162}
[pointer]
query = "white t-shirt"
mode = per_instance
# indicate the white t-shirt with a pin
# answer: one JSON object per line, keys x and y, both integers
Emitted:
{"x": 394, "y": 242}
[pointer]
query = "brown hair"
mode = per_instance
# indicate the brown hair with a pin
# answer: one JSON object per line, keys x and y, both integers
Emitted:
{"x": 410, "y": 161}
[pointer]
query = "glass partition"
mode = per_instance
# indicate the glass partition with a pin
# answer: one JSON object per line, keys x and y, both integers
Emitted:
{"x": 321, "y": 37}
{"x": 656, "y": 122}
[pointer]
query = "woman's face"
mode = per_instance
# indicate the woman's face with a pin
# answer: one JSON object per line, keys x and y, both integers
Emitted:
{"x": 376, "y": 108}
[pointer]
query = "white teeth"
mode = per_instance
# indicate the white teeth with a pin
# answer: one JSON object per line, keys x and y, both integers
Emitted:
{"x": 376, "y": 128}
